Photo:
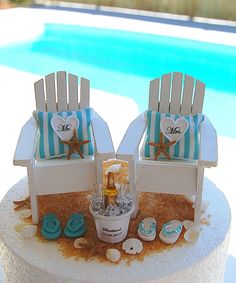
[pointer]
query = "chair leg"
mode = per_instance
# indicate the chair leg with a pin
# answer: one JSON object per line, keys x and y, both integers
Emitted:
{"x": 132, "y": 187}
{"x": 33, "y": 195}
{"x": 99, "y": 172}
{"x": 198, "y": 200}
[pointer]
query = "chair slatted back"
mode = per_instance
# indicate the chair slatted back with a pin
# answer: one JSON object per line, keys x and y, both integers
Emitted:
{"x": 59, "y": 92}
{"x": 176, "y": 93}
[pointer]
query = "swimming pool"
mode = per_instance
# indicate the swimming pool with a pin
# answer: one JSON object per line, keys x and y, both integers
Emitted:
{"x": 123, "y": 62}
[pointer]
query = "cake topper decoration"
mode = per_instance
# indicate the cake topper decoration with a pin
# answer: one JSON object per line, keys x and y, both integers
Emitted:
{"x": 192, "y": 234}
{"x": 171, "y": 231}
{"x": 147, "y": 229}
{"x": 113, "y": 255}
{"x": 26, "y": 213}
{"x": 22, "y": 203}
{"x": 162, "y": 147}
{"x": 28, "y": 231}
{"x": 80, "y": 243}
{"x": 75, "y": 145}
{"x": 132, "y": 246}
{"x": 172, "y": 129}
{"x": 110, "y": 192}
{"x": 64, "y": 128}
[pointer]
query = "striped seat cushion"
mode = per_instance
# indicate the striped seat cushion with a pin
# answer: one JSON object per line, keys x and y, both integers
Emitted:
{"x": 49, "y": 144}
{"x": 188, "y": 145}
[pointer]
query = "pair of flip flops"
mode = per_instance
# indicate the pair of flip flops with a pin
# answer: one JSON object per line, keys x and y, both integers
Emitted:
{"x": 74, "y": 228}
{"x": 169, "y": 233}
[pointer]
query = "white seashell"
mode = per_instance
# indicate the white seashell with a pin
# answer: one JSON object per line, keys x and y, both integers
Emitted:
{"x": 79, "y": 241}
{"x": 204, "y": 206}
{"x": 205, "y": 221}
{"x": 115, "y": 168}
{"x": 190, "y": 198}
{"x": 113, "y": 255}
{"x": 132, "y": 246}
{"x": 26, "y": 213}
{"x": 19, "y": 227}
{"x": 188, "y": 224}
{"x": 191, "y": 235}
{"x": 28, "y": 231}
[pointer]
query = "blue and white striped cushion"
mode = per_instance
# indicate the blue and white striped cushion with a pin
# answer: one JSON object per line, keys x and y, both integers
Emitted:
{"x": 49, "y": 144}
{"x": 186, "y": 148}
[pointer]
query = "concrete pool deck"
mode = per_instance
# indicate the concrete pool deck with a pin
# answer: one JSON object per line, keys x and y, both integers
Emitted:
{"x": 17, "y": 99}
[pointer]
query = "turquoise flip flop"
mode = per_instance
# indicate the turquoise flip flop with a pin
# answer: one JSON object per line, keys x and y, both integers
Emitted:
{"x": 75, "y": 227}
{"x": 147, "y": 229}
{"x": 51, "y": 227}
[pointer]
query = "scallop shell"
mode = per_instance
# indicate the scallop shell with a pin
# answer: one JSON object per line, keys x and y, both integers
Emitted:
{"x": 28, "y": 231}
{"x": 26, "y": 213}
{"x": 191, "y": 235}
{"x": 80, "y": 243}
{"x": 113, "y": 255}
{"x": 188, "y": 224}
{"x": 132, "y": 246}
{"x": 115, "y": 168}
{"x": 19, "y": 227}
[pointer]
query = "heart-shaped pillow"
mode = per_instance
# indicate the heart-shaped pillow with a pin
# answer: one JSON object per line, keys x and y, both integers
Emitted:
{"x": 172, "y": 129}
{"x": 64, "y": 127}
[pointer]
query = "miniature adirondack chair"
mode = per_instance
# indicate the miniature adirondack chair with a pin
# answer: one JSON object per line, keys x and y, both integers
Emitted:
{"x": 173, "y": 93}
{"x": 62, "y": 175}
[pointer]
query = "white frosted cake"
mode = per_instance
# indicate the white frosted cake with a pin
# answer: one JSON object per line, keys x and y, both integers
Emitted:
{"x": 33, "y": 260}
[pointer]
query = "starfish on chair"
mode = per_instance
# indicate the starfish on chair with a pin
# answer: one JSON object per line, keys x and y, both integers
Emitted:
{"x": 162, "y": 147}
{"x": 74, "y": 145}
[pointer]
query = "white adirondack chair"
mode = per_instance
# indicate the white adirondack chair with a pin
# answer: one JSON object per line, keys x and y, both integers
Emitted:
{"x": 173, "y": 93}
{"x": 61, "y": 175}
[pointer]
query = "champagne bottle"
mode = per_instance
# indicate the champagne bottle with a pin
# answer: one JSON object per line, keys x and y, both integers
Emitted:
{"x": 110, "y": 192}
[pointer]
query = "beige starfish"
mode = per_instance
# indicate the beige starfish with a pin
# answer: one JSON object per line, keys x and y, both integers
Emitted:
{"x": 74, "y": 145}
{"x": 162, "y": 147}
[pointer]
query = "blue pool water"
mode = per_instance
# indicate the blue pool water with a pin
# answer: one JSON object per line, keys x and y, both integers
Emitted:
{"x": 124, "y": 62}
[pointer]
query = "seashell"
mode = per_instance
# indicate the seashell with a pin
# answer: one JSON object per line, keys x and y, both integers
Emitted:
{"x": 115, "y": 168}
{"x": 191, "y": 235}
{"x": 188, "y": 224}
{"x": 132, "y": 246}
{"x": 204, "y": 206}
{"x": 190, "y": 198}
{"x": 28, "y": 231}
{"x": 80, "y": 243}
{"x": 205, "y": 221}
{"x": 113, "y": 255}
{"x": 26, "y": 213}
{"x": 19, "y": 227}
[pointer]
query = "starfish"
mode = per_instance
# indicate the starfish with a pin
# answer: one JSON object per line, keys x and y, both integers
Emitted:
{"x": 21, "y": 203}
{"x": 74, "y": 145}
{"x": 162, "y": 147}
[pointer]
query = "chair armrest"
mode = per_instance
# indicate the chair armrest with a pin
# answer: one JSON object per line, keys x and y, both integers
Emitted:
{"x": 130, "y": 143}
{"x": 102, "y": 137}
{"x": 25, "y": 149}
{"x": 208, "y": 155}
